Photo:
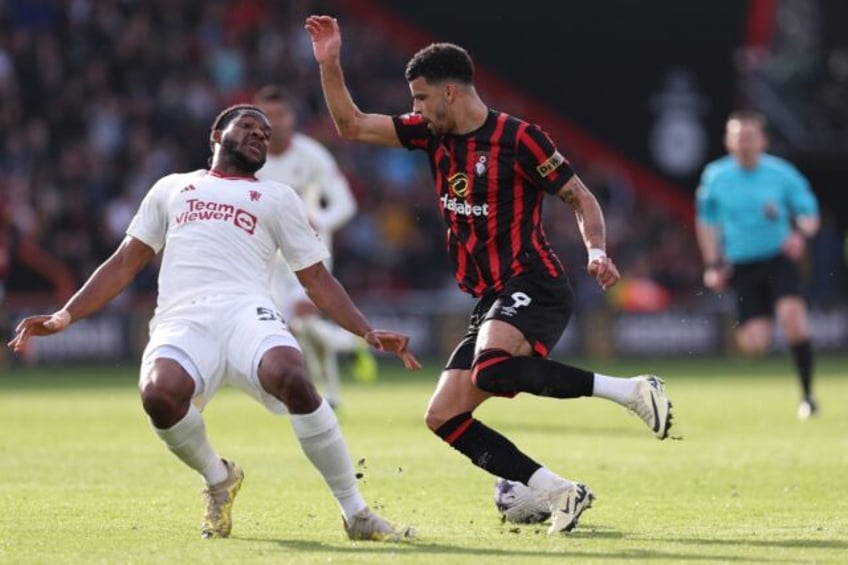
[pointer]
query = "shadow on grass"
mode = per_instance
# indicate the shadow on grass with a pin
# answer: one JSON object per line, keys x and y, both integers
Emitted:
{"x": 443, "y": 551}
{"x": 786, "y": 543}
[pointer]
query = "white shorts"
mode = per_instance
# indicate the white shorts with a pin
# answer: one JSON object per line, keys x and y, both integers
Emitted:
{"x": 220, "y": 341}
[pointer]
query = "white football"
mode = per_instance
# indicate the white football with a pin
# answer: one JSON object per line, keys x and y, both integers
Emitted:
{"x": 519, "y": 504}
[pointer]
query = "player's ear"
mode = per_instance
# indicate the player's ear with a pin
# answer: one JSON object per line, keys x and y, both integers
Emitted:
{"x": 450, "y": 91}
{"x": 215, "y": 137}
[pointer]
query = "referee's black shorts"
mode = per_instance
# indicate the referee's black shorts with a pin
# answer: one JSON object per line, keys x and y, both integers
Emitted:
{"x": 759, "y": 284}
{"x": 535, "y": 303}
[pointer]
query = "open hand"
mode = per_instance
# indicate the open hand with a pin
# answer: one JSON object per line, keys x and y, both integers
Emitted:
{"x": 43, "y": 324}
{"x": 393, "y": 342}
{"x": 326, "y": 37}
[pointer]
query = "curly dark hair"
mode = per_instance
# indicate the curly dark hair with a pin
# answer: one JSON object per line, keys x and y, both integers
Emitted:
{"x": 439, "y": 62}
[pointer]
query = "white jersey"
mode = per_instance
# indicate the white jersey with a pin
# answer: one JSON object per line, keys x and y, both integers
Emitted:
{"x": 309, "y": 168}
{"x": 220, "y": 235}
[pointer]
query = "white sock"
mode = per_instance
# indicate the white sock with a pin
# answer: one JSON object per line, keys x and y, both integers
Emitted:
{"x": 617, "y": 389}
{"x": 331, "y": 374}
{"x": 187, "y": 440}
{"x": 546, "y": 480}
{"x": 330, "y": 335}
{"x": 322, "y": 442}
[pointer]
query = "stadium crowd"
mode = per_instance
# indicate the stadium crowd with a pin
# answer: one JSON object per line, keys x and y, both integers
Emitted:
{"x": 100, "y": 98}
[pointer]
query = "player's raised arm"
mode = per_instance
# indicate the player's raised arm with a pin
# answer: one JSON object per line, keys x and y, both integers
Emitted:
{"x": 111, "y": 277}
{"x": 351, "y": 122}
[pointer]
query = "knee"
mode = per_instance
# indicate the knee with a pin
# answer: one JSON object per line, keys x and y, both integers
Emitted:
{"x": 492, "y": 372}
{"x": 434, "y": 419}
{"x": 290, "y": 384}
{"x": 752, "y": 344}
{"x": 165, "y": 400}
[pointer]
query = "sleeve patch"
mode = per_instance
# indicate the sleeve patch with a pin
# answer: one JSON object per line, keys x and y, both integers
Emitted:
{"x": 550, "y": 164}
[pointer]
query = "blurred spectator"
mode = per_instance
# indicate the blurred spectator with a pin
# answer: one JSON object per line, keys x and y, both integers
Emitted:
{"x": 99, "y": 99}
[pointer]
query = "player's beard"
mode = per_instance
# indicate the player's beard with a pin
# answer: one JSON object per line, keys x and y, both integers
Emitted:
{"x": 239, "y": 159}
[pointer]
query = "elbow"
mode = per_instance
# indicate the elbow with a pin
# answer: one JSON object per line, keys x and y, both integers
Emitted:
{"x": 347, "y": 130}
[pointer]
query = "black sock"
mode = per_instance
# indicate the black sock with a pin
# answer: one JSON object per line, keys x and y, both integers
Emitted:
{"x": 498, "y": 372}
{"x": 486, "y": 448}
{"x": 802, "y": 355}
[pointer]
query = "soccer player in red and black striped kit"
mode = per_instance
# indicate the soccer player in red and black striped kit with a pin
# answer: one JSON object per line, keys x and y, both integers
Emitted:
{"x": 492, "y": 171}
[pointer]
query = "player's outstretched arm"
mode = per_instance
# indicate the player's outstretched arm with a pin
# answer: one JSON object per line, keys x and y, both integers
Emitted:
{"x": 590, "y": 220}
{"x": 327, "y": 293}
{"x": 110, "y": 278}
{"x": 351, "y": 122}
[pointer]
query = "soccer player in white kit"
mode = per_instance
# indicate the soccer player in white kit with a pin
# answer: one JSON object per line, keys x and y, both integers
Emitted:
{"x": 307, "y": 166}
{"x": 215, "y": 322}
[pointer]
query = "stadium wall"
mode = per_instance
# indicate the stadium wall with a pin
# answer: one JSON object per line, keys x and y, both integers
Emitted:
{"x": 436, "y": 321}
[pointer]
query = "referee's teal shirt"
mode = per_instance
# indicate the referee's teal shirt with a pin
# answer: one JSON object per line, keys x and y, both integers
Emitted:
{"x": 753, "y": 208}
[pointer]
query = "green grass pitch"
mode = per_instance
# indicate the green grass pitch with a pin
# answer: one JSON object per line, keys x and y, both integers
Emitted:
{"x": 83, "y": 479}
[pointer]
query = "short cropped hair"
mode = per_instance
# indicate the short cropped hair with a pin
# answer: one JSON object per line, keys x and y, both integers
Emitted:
{"x": 439, "y": 62}
{"x": 748, "y": 116}
{"x": 229, "y": 114}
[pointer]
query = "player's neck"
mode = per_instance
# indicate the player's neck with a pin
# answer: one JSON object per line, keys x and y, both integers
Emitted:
{"x": 472, "y": 116}
{"x": 748, "y": 163}
{"x": 230, "y": 173}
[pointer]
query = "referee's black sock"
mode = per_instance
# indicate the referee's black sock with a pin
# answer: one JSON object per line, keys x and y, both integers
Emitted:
{"x": 802, "y": 356}
{"x": 498, "y": 372}
{"x": 486, "y": 448}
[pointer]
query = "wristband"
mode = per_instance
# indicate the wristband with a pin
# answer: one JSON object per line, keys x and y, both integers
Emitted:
{"x": 59, "y": 320}
{"x": 595, "y": 254}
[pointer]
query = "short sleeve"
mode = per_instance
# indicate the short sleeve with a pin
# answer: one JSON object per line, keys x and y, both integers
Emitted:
{"x": 705, "y": 205}
{"x": 412, "y": 131}
{"x": 150, "y": 223}
{"x": 802, "y": 201}
{"x": 299, "y": 244}
{"x": 540, "y": 161}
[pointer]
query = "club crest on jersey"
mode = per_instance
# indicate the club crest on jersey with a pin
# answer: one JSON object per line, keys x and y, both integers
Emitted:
{"x": 459, "y": 184}
{"x": 550, "y": 164}
{"x": 482, "y": 164}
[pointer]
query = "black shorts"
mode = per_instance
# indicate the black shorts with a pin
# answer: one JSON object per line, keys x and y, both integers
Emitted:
{"x": 759, "y": 284}
{"x": 538, "y": 305}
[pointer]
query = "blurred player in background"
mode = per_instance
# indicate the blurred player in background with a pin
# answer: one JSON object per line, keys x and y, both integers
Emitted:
{"x": 215, "y": 322}
{"x": 492, "y": 171}
{"x": 755, "y": 214}
{"x": 307, "y": 166}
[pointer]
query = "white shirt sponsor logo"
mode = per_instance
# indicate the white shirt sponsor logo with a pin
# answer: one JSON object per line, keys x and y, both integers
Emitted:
{"x": 463, "y": 208}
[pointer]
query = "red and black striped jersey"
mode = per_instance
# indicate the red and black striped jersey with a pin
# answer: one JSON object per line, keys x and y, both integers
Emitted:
{"x": 491, "y": 184}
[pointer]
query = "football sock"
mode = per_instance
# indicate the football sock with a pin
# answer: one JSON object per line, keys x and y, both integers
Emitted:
{"x": 330, "y": 364}
{"x": 802, "y": 356}
{"x": 546, "y": 480}
{"x": 322, "y": 442}
{"x": 187, "y": 440}
{"x": 498, "y": 372}
{"x": 486, "y": 448}
{"x": 616, "y": 389}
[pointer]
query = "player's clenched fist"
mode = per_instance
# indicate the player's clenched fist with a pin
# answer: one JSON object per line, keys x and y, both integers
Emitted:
{"x": 604, "y": 271}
